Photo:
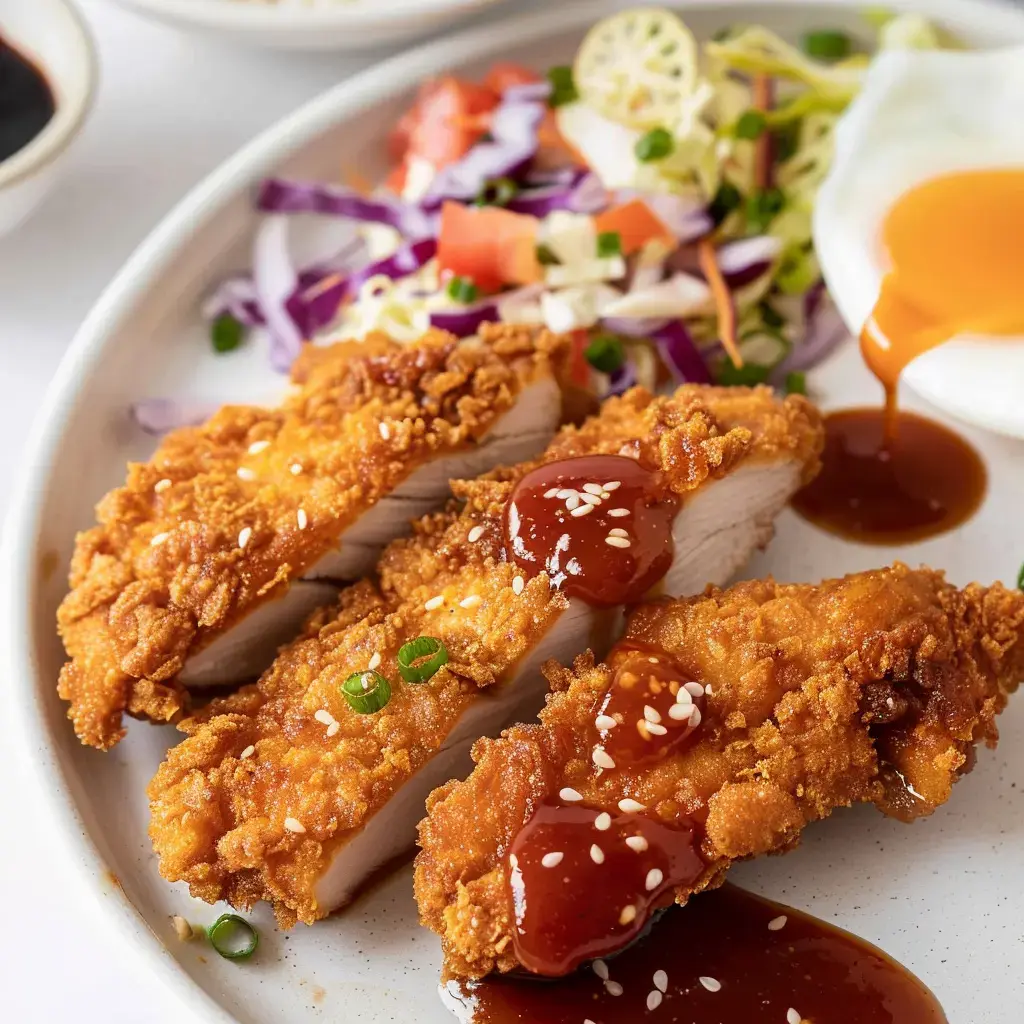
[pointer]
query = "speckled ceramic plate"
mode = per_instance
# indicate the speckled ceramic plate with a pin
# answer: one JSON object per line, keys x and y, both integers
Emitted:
{"x": 943, "y": 896}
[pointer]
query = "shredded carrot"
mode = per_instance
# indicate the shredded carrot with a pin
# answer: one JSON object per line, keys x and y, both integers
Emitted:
{"x": 763, "y": 146}
{"x": 723, "y": 300}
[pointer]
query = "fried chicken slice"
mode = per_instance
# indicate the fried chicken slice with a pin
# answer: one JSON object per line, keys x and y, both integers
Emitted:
{"x": 192, "y": 573}
{"x": 269, "y": 799}
{"x": 875, "y": 687}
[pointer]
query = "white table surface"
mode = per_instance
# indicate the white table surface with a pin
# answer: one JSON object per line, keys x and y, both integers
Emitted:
{"x": 171, "y": 107}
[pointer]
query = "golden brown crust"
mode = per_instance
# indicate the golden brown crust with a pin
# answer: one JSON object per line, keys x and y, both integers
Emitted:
{"x": 820, "y": 695}
{"x": 218, "y": 820}
{"x": 164, "y": 572}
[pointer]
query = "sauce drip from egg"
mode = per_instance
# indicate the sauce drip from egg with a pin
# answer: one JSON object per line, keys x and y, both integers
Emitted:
{"x": 26, "y": 101}
{"x": 598, "y": 525}
{"x": 727, "y": 957}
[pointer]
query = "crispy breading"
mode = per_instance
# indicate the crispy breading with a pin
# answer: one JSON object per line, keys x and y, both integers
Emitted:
{"x": 165, "y": 572}
{"x": 218, "y": 819}
{"x": 875, "y": 687}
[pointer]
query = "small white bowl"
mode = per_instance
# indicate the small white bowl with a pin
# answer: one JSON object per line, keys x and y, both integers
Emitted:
{"x": 346, "y": 25}
{"x": 52, "y": 35}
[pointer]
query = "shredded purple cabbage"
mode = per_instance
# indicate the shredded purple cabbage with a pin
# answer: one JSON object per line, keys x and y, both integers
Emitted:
{"x": 158, "y": 416}
{"x": 680, "y": 354}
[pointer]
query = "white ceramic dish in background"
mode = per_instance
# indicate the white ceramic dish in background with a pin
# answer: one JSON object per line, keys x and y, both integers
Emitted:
{"x": 346, "y": 25}
{"x": 938, "y": 896}
{"x": 52, "y": 34}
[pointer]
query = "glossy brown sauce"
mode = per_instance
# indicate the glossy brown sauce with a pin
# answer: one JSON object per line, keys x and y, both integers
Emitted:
{"x": 752, "y": 974}
{"x": 651, "y": 710}
{"x": 584, "y": 882}
{"x": 26, "y": 101}
{"x": 598, "y": 525}
{"x": 925, "y": 481}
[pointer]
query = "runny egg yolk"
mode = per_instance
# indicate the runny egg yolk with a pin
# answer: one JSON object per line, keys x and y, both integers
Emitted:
{"x": 957, "y": 266}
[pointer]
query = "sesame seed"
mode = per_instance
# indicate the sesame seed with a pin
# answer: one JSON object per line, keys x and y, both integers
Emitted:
{"x": 613, "y": 988}
{"x": 302, "y": 519}
{"x": 628, "y": 914}
{"x": 513, "y": 861}
{"x": 651, "y": 714}
{"x": 374, "y": 661}
{"x": 332, "y": 729}
{"x": 683, "y": 696}
{"x": 385, "y": 431}
{"x": 661, "y": 981}
{"x": 570, "y": 796}
{"x": 618, "y": 532}
{"x": 159, "y": 539}
{"x": 587, "y": 1020}
{"x": 475, "y": 534}
{"x": 565, "y": 492}
{"x": 595, "y": 489}
{"x": 603, "y": 822}
{"x": 572, "y": 502}
{"x": 792, "y": 1017}
{"x": 294, "y": 825}
{"x": 582, "y": 510}
{"x": 636, "y": 843}
{"x": 629, "y": 805}
{"x": 654, "y": 879}
{"x": 552, "y": 493}
{"x": 182, "y": 928}
{"x": 694, "y": 689}
{"x": 434, "y": 602}
{"x": 605, "y": 722}
{"x": 600, "y": 968}
{"x": 654, "y": 999}
{"x": 553, "y": 859}
{"x": 161, "y": 485}
{"x": 470, "y": 602}
{"x": 296, "y": 468}
{"x": 244, "y": 473}
{"x": 776, "y": 924}
{"x": 707, "y": 690}
{"x": 602, "y": 758}
{"x": 614, "y": 485}
{"x": 243, "y": 536}
{"x": 711, "y": 984}
{"x": 258, "y": 446}
{"x": 695, "y": 717}
{"x": 590, "y": 499}
{"x": 324, "y": 717}
{"x": 618, "y": 513}
{"x": 518, "y": 584}
{"x": 657, "y": 730}
{"x": 248, "y": 752}
{"x": 679, "y": 712}
{"x": 617, "y": 542}
{"x": 596, "y": 854}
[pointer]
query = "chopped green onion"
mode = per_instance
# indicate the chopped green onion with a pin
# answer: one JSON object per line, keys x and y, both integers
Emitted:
{"x": 497, "y": 192}
{"x": 726, "y": 199}
{"x": 233, "y": 937}
{"x": 746, "y": 375}
{"x": 605, "y": 353}
{"x": 750, "y": 125}
{"x": 226, "y": 333}
{"x": 797, "y": 271}
{"x": 462, "y": 289}
{"x": 786, "y": 140}
{"x": 366, "y": 692}
{"x": 827, "y": 44}
{"x": 563, "y": 88}
{"x": 545, "y": 257}
{"x": 409, "y": 658}
{"x": 771, "y": 316}
{"x": 722, "y": 34}
{"x": 762, "y": 207}
{"x": 655, "y": 145}
{"x": 1020, "y": 578}
{"x": 796, "y": 383}
{"x": 609, "y": 243}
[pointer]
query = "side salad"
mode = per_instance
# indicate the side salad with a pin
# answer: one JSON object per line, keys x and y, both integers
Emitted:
{"x": 653, "y": 199}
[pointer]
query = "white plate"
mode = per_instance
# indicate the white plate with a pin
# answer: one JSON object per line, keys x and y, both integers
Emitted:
{"x": 942, "y": 896}
{"x": 346, "y": 25}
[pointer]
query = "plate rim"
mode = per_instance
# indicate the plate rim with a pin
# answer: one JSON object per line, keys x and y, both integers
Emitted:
{"x": 39, "y": 747}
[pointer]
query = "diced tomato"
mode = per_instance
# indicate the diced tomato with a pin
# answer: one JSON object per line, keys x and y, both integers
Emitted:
{"x": 503, "y": 76}
{"x": 491, "y": 245}
{"x": 579, "y": 368}
{"x": 636, "y": 224}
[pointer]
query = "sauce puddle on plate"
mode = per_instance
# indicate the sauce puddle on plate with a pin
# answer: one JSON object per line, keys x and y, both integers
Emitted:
{"x": 26, "y": 101}
{"x": 728, "y": 957}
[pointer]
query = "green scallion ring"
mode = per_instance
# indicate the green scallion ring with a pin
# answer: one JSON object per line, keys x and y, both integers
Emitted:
{"x": 428, "y": 647}
{"x": 366, "y": 692}
{"x": 226, "y": 933}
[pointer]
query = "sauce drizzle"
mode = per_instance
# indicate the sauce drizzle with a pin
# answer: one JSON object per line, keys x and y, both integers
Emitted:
{"x": 727, "y": 957}
{"x": 26, "y": 101}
